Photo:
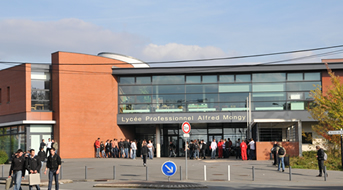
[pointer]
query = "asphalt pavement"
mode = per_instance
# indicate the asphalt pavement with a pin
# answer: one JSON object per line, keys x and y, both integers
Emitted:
{"x": 97, "y": 173}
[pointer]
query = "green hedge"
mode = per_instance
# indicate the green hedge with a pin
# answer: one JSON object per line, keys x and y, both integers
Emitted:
{"x": 3, "y": 157}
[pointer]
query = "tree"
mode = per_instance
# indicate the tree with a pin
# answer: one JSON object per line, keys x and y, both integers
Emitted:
{"x": 327, "y": 108}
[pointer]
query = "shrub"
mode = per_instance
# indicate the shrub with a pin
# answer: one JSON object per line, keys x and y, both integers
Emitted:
{"x": 3, "y": 157}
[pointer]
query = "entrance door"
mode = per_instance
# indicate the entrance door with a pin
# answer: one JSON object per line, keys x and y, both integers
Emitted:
{"x": 175, "y": 141}
{"x": 217, "y": 137}
{"x": 35, "y": 141}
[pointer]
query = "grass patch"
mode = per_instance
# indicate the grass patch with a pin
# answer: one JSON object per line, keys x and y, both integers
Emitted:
{"x": 309, "y": 160}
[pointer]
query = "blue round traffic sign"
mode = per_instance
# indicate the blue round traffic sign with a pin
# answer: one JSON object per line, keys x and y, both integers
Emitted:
{"x": 168, "y": 168}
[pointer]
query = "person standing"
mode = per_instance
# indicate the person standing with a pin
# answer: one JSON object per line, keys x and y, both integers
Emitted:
{"x": 213, "y": 149}
{"x": 144, "y": 152}
{"x": 171, "y": 149}
{"x": 252, "y": 149}
{"x": 48, "y": 147}
{"x": 196, "y": 149}
{"x": 55, "y": 145}
{"x": 121, "y": 148}
{"x": 97, "y": 148}
{"x": 42, "y": 144}
{"x": 17, "y": 169}
{"x": 102, "y": 149}
{"x": 115, "y": 148}
{"x": 134, "y": 149}
{"x": 41, "y": 155}
{"x": 33, "y": 165}
{"x": 238, "y": 149}
{"x": 275, "y": 146}
{"x": 220, "y": 148}
{"x": 243, "y": 147}
{"x": 54, "y": 164}
{"x": 150, "y": 153}
{"x": 320, "y": 158}
{"x": 126, "y": 148}
{"x": 281, "y": 154}
{"x": 203, "y": 149}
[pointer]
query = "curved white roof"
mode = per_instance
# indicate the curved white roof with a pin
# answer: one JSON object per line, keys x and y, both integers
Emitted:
{"x": 127, "y": 59}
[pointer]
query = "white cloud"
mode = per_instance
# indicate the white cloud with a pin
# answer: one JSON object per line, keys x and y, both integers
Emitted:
{"x": 174, "y": 51}
{"x": 29, "y": 41}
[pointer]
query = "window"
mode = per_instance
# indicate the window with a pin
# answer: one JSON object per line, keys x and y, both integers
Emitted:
{"x": 307, "y": 138}
{"x": 294, "y": 76}
{"x": 243, "y": 78}
{"x": 143, "y": 80}
{"x": 209, "y": 79}
{"x": 8, "y": 94}
{"x": 267, "y": 77}
{"x": 312, "y": 76}
{"x": 270, "y": 134}
{"x": 169, "y": 79}
{"x": 226, "y": 78}
{"x": 127, "y": 80}
{"x": 193, "y": 79}
{"x": 40, "y": 91}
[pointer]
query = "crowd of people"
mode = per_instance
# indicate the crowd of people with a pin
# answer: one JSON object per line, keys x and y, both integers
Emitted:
{"x": 124, "y": 148}
{"x": 224, "y": 148}
{"x": 22, "y": 161}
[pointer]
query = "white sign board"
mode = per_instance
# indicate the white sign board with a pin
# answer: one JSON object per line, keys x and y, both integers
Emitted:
{"x": 335, "y": 132}
{"x": 186, "y": 135}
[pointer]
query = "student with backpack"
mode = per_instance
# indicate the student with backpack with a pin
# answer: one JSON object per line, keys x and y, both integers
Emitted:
{"x": 281, "y": 156}
{"x": 321, "y": 157}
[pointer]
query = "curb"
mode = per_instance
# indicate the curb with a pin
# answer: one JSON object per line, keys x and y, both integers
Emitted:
{"x": 153, "y": 185}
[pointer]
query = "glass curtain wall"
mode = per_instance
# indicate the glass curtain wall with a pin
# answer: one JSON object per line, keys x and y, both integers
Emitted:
{"x": 216, "y": 93}
{"x": 12, "y": 138}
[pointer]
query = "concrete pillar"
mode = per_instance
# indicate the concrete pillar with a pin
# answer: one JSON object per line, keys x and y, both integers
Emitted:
{"x": 158, "y": 141}
{"x": 300, "y": 138}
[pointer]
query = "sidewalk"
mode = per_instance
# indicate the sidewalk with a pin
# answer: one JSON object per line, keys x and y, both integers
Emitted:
{"x": 128, "y": 171}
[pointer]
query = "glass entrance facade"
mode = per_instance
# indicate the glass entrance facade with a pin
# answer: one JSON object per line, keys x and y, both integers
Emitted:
{"x": 200, "y": 131}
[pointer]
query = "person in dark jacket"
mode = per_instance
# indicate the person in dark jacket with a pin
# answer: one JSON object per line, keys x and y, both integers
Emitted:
{"x": 144, "y": 152}
{"x": 54, "y": 164}
{"x": 126, "y": 147}
{"x": 41, "y": 155}
{"x": 320, "y": 158}
{"x": 33, "y": 165}
{"x": 203, "y": 148}
{"x": 17, "y": 169}
{"x": 42, "y": 144}
{"x": 275, "y": 147}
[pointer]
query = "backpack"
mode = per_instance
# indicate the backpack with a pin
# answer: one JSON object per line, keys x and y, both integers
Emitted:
{"x": 281, "y": 151}
{"x": 325, "y": 156}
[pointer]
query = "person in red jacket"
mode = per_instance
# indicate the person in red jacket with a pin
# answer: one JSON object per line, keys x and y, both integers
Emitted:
{"x": 97, "y": 148}
{"x": 220, "y": 148}
{"x": 244, "y": 150}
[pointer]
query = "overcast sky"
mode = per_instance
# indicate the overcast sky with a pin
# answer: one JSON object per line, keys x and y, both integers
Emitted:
{"x": 169, "y": 30}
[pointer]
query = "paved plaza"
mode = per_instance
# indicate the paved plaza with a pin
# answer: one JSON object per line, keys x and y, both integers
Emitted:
{"x": 127, "y": 171}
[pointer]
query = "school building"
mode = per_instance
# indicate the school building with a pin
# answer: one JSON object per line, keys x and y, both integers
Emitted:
{"x": 79, "y": 97}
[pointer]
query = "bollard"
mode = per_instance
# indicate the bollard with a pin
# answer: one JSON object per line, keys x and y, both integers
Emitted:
{"x": 290, "y": 173}
{"x": 85, "y": 172}
{"x": 228, "y": 173}
{"x": 253, "y": 173}
{"x": 325, "y": 173}
{"x": 180, "y": 174}
{"x": 204, "y": 172}
{"x": 147, "y": 173}
{"x": 114, "y": 172}
{"x": 61, "y": 171}
{"x": 2, "y": 170}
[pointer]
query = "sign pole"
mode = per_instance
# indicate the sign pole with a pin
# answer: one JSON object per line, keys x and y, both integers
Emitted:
{"x": 186, "y": 157}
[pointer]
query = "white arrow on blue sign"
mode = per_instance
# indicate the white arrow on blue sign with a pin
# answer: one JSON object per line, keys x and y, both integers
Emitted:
{"x": 168, "y": 168}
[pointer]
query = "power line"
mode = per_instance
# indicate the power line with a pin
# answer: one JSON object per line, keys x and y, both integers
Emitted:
{"x": 196, "y": 60}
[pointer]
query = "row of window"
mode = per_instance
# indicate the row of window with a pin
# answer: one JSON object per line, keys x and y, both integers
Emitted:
{"x": 208, "y": 98}
{"x": 214, "y": 107}
{"x": 219, "y": 88}
{"x": 257, "y": 77}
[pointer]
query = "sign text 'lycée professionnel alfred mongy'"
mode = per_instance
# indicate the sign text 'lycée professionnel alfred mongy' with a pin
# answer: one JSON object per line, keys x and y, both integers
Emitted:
{"x": 179, "y": 118}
